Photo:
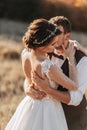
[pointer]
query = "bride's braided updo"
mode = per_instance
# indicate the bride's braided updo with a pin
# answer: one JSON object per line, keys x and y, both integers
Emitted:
{"x": 40, "y": 32}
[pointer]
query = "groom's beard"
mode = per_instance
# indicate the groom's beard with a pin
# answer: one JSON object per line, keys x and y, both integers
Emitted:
{"x": 60, "y": 48}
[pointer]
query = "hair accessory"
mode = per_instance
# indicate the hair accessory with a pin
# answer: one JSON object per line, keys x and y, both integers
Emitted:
{"x": 52, "y": 33}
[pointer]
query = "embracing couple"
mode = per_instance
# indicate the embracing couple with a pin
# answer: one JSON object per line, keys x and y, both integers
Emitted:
{"x": 55, "y": 70}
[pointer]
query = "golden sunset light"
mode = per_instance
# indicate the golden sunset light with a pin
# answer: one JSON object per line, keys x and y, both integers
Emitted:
{"x": 76, "y": 3}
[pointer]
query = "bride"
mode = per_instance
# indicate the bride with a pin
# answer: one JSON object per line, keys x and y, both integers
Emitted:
{"x": 46, "y": 114}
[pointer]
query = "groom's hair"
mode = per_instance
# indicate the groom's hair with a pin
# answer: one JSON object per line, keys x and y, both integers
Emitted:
{"x": 63, "y": 21}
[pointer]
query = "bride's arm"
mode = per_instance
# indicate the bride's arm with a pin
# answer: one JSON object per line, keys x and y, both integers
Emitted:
{"x": 59, "y": 77}
{"x": 70, "y": 52}
{"x": 73, "y": 70}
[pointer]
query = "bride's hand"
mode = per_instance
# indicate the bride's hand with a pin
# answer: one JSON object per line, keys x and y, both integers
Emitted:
{"x": 70, "y": 51}
{"x": 34, "y": 93}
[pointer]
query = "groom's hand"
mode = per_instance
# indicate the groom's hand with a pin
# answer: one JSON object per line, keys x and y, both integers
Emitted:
{"x": 70, "y": 50}
{"x": 34, "y": 93}
{"x": 41, "y": 83}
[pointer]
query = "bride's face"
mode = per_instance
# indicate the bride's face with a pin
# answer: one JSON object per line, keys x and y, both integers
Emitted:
{"x": 51, "y": 46}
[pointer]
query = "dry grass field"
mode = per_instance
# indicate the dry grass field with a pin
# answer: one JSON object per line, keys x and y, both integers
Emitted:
{"x": 11, "y": 77}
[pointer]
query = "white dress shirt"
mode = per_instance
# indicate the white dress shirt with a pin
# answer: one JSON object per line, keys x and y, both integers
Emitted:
{"x": 77, "y": 96}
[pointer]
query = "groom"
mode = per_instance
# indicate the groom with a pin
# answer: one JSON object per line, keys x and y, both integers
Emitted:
{"x": 75, "y": 110}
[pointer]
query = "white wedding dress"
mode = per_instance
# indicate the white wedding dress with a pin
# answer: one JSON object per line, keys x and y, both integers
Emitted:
{"x": 45, "y": 114}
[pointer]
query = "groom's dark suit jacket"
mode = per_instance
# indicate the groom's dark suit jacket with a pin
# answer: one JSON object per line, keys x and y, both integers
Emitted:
{"x": 76, "y": 116}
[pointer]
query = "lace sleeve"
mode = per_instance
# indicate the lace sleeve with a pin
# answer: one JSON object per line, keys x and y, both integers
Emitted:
{"x": 46, "y": 66}
{"x": 45, "y": 69}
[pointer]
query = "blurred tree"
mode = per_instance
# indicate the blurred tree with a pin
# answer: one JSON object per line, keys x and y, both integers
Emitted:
{"x": 2, "y": 8}
{"x": 20, "y": 9}
{"x": 28, "y": 10}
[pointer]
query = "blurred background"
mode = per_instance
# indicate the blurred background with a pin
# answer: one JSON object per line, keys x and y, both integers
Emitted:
{"x": 15, "y": 15}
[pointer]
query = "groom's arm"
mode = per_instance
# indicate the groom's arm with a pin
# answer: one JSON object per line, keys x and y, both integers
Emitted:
{"x": 44, "y": 85}
{"x": 61, "y": 96}
{"x": 77, "y": 96}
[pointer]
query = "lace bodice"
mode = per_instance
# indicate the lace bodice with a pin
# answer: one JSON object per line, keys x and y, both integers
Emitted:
{"x": 46, "y": 64}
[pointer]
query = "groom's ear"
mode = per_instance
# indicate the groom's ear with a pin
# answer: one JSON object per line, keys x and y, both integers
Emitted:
{"x": 67, "y": 36}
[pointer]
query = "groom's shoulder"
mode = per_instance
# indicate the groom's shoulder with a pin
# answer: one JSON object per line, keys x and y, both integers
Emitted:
{"x": 79, "y": 55}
